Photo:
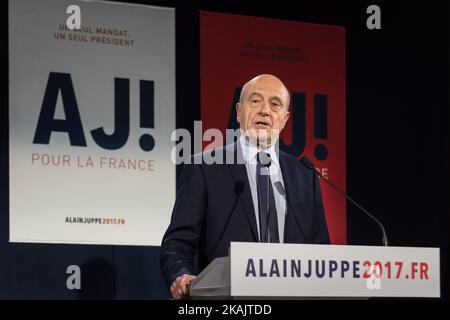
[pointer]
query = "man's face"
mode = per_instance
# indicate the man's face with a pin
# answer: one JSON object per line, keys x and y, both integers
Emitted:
{"x": 263, "y": 111}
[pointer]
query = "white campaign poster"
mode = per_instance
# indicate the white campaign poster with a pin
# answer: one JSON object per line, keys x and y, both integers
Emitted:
{"x": 91, "y": 115}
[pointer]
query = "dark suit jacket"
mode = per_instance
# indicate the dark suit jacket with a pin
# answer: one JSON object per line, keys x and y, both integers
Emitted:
{"x": 214, "y": 206}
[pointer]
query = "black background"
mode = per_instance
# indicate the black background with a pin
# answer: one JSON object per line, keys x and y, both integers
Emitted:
{"x": 397, "y": 143}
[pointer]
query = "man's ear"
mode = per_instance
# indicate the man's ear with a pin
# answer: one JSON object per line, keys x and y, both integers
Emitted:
{"x": 286, "y": 118}
{"x": 238, "y": 112}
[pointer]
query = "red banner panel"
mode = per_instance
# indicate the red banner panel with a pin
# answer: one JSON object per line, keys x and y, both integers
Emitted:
{"x": 310, "y": 60}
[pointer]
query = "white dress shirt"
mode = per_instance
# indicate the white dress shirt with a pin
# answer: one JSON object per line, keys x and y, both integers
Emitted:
{"x": 250, "y": 156}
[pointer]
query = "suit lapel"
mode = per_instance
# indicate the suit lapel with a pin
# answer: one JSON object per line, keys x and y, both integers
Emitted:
{"x": 239, "y": 174}
{"x": 287, "y": 177}
{"x": 292, "y": 234}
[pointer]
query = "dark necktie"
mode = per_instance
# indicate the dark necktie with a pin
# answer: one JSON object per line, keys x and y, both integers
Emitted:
{"x": 268, "y": 221}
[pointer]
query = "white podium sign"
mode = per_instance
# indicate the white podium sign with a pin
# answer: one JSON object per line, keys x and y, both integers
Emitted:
{"x": 288, "y": 270}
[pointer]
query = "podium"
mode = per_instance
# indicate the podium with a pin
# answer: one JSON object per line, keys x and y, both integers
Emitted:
{"x": 303, "y": 271}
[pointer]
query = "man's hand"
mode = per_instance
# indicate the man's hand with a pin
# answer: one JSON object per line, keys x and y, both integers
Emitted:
{"x": 180, "y": 287}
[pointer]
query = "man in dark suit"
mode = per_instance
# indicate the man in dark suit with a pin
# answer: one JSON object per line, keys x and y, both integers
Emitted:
{"x": 256, "y": 194}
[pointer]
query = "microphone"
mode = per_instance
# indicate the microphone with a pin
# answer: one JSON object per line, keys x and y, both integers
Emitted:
{"x": 308, "y": 164}
{"x": 265, "y": 160}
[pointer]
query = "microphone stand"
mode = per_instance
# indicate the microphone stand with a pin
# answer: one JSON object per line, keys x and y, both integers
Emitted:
{"x": 311, "y": 166}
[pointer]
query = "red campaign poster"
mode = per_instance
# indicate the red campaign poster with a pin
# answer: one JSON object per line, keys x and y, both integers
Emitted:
{"x": 310, "y": 60}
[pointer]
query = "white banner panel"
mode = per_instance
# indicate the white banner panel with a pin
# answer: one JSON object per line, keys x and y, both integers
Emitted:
{"x": 301, "y": 270}
{"x": 91, "y": 114}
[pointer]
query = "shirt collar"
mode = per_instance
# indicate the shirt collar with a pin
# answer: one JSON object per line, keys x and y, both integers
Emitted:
{"x": 250, "y": 151}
